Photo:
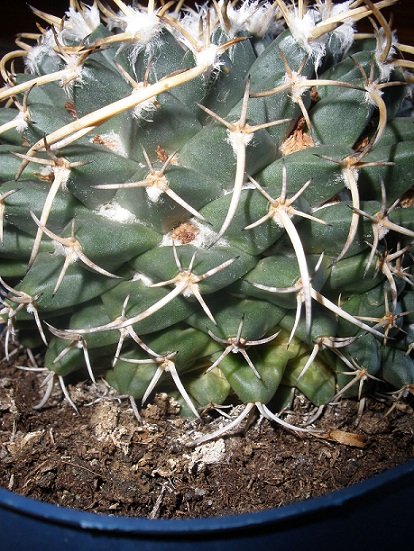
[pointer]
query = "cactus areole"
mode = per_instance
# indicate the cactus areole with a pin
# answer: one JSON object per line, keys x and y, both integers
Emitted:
{"x": 216, "y": 203}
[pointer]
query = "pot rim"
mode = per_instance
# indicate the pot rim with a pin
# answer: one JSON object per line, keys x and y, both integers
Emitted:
{"x": 130, "y": 525}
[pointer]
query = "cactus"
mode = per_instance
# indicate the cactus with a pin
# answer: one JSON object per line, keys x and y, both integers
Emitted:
{"x": 215, "y": 203}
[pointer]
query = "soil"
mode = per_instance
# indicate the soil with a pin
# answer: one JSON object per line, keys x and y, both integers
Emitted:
{"x": 101, "y": 459}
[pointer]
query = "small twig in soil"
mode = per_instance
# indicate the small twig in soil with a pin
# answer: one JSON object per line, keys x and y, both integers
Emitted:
{"x": 154, "y": 513}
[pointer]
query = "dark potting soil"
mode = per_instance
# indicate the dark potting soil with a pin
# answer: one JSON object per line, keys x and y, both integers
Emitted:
{"x": 101, "y": 459}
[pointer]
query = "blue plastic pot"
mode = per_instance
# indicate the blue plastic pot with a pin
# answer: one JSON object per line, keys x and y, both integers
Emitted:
{"x": 375, "y": 514}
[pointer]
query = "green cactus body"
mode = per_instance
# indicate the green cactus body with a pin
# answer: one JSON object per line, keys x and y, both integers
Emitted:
{"x": 215, "y": 203}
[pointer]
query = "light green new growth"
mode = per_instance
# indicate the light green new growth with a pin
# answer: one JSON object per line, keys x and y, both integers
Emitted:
{"x": 216, "y": 203}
